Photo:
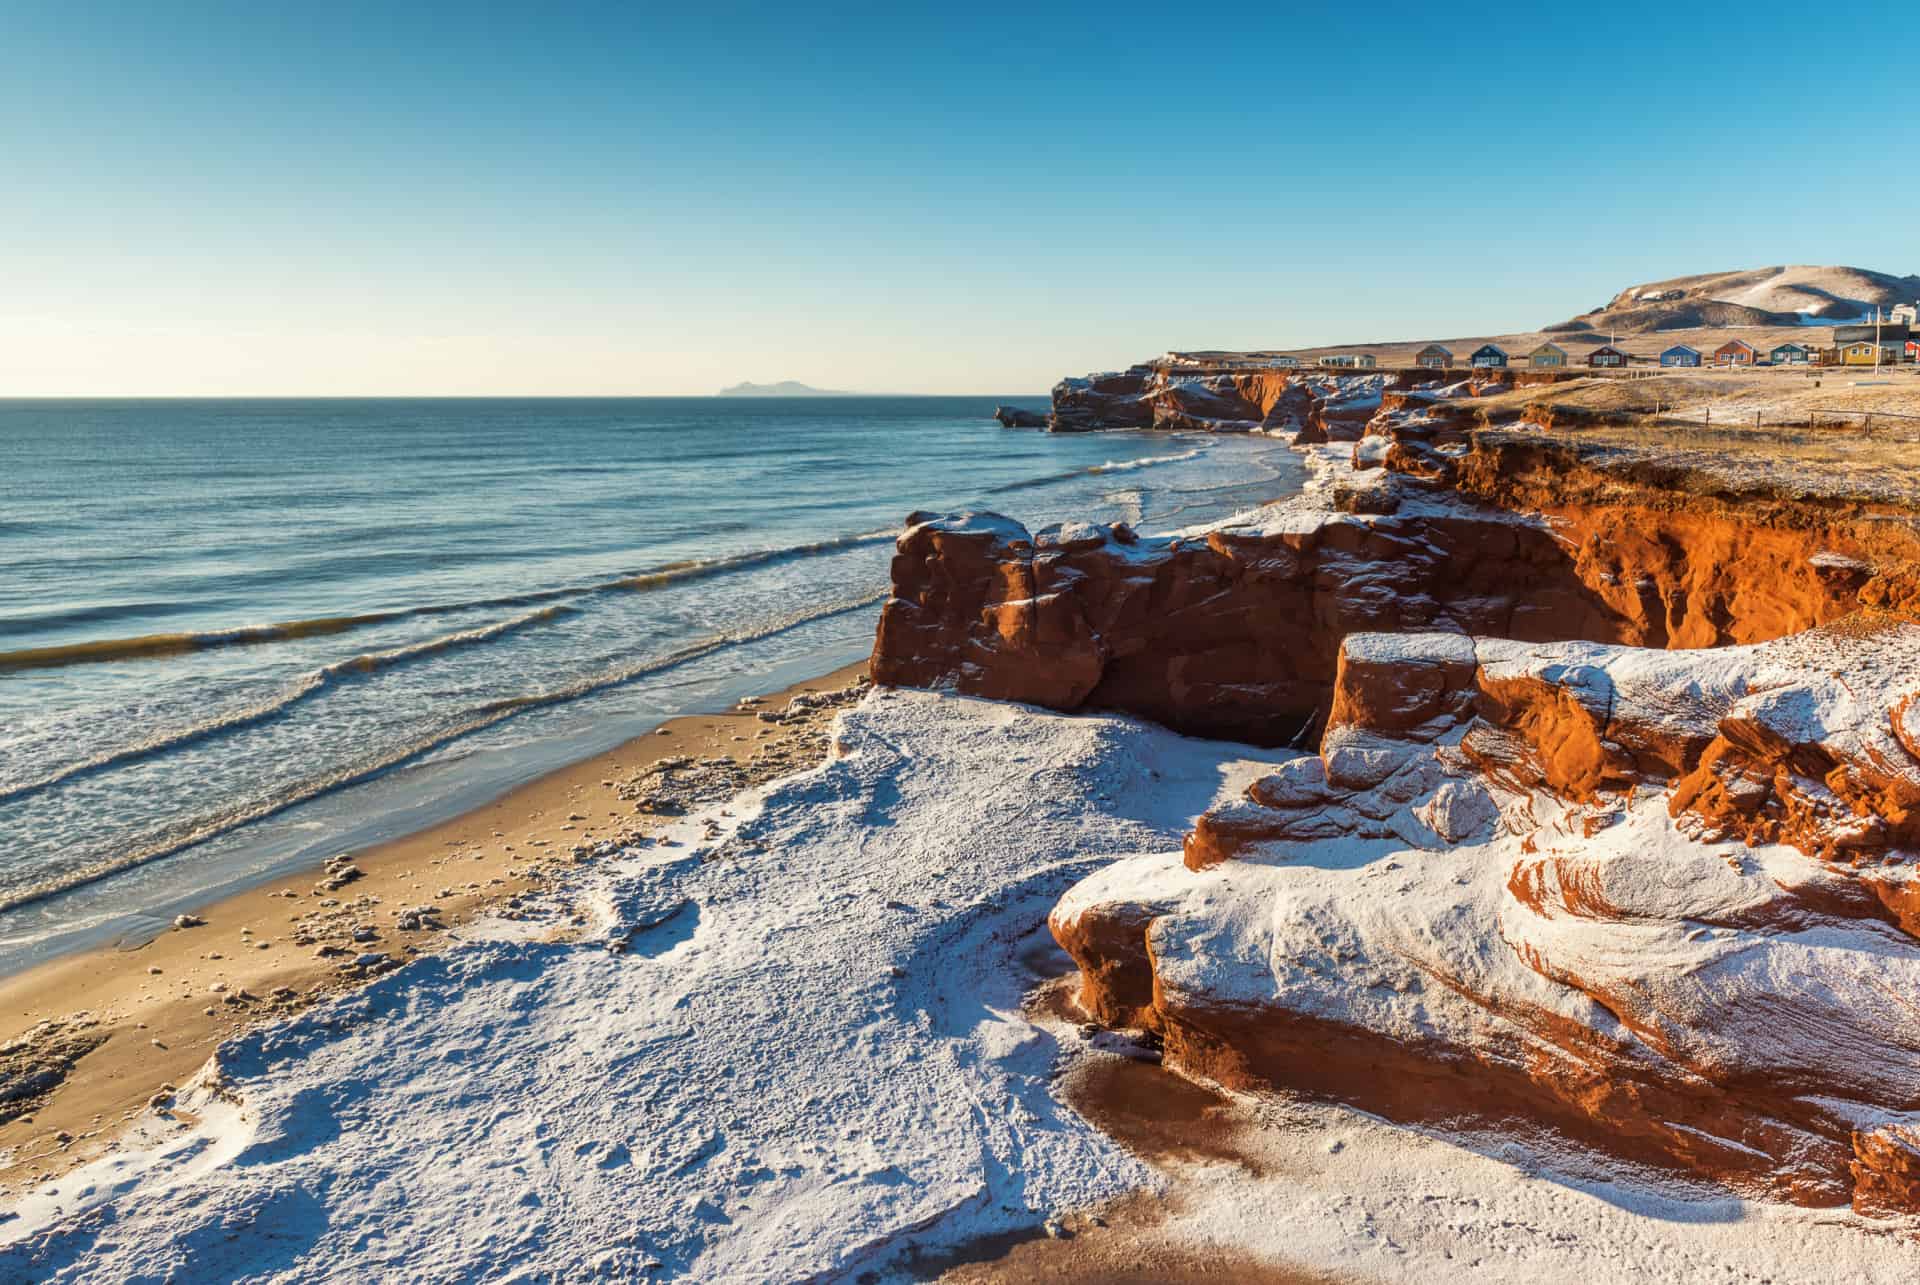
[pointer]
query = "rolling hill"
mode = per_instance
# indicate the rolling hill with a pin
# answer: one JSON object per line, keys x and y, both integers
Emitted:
{"x": 1798, "y": 295}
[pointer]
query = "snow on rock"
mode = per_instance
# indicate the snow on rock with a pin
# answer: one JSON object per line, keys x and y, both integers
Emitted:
{"x": 1661, "y": 901}
{"x": 798, "y": 1051}
{"x": 1330, "y": 1189}
{"x": 1231, "y": 630}
{"x": 1234, "y": 629}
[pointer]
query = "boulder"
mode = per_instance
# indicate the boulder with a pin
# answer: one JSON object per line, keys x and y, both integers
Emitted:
{"x": 1016, "y": 417}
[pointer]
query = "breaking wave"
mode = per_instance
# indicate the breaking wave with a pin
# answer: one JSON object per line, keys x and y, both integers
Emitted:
{"x": 300, "y": 689}
{"x": 148, "y": 646}
{"x": 189, "y": 833}
{"x": 1146, "y": 461}
{"x": 1097, "y": 470}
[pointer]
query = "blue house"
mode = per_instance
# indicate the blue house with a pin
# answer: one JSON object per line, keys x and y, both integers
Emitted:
{"x": 1790, "y": 355}
{"x": 1489, "y": 356}
{"x": 1680, "y": 355}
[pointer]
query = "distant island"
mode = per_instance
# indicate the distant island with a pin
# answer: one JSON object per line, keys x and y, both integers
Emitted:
{"x": 785, "y": 388}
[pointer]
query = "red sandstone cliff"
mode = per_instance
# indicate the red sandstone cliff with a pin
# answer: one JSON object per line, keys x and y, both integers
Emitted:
{"x": 1236, "y": 633}
{"x": 1316, "y": 404}
{"x": 1613, "y": 812}
{"x": 1493, "y": 896}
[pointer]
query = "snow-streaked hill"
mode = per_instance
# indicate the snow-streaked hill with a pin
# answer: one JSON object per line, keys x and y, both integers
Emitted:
{"x": 1782, "y": 296}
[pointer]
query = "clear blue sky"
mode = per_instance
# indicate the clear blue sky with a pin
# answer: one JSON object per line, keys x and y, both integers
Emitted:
{"x": 587, "y": 198}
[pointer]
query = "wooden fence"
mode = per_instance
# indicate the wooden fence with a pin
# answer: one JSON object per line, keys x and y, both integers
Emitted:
{"x": 1873, "y": 424}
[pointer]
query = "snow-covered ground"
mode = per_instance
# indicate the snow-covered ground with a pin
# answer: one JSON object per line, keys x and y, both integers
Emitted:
{"x": 806, "y": 1059}
{"x": 1328, "y": 1189}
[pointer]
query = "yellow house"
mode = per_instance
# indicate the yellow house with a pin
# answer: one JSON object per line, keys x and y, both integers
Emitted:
{"x": 1548, "y": 354}
{"x": 1865, "y": 352}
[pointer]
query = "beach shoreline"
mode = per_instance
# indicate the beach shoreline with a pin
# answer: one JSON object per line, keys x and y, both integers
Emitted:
{"x": 90, "y": 1039}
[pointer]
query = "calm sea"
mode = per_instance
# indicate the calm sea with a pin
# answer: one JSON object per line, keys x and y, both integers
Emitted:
{"x": 239, "y": 636}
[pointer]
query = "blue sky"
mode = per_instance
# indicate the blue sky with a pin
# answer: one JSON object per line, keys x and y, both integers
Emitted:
{"x": 623, "y": 198}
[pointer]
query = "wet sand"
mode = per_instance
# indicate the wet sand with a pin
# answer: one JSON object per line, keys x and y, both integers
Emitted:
{"x": 88, "y": 1040}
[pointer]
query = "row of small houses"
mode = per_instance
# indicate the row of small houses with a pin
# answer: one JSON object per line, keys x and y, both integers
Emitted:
{"x": 1853, "y": 346}
{"x": 1548, "y": 356}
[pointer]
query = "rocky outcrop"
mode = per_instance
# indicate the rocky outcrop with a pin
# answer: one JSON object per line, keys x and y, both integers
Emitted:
{"x": 1232, "y": 635}
{"x": 1313, "y": 404}
{"x": 1111, "y": 400}
{"x": 1236, "y": 633}
{"x": 1613, "y": 818}
{"x": 1489, "y": 898}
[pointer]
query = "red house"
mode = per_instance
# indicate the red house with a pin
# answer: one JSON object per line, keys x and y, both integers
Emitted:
{"x": 1735, "y": 352}
{"x": 1606, "y": 355}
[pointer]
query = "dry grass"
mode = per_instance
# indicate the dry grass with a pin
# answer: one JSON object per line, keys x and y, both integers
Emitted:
{"x": 1781, "y": 396}
{"x": 1848, "y": 436}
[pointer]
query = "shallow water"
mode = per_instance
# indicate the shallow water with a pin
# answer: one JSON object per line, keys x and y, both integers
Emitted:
{"x": 236, "y": 636}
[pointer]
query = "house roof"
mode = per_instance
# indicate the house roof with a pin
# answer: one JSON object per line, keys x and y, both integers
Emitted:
{"x": 1549, "y": 346}
{"x": 1785, "y": 346}
{"x": 1490, "y": 348}
{"x": 1681, "y": 348}
{"x": 1897, "y": 331}
{"x": 1732, "y": 344}
{"x": 1434, "y": 348}
{"x": 1608, "y": 348}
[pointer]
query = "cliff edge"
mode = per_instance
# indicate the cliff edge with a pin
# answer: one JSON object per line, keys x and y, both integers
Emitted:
{"x": 1613, "y": 808}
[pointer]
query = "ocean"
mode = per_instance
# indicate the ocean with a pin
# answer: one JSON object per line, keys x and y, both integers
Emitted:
{"x": 237, "y": 637}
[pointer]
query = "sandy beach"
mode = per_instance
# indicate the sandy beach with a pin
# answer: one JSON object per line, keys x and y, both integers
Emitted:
{"x": 89, "y": 1040}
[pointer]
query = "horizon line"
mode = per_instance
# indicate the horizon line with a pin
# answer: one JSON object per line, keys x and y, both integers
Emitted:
{"x": 471, "y": 397}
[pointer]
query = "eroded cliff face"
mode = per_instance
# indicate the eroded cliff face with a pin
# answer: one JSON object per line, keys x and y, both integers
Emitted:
{"x": 1613, "y": 817}
{"x": 1493, "y": 896}
{"x": 1230, "y": 634}
{"x": 1318, "y": 405}
{"x": 1417, "y": 525}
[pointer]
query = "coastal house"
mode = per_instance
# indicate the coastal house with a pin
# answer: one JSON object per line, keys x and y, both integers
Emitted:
{"x": 1606, "y": 356}
{"x": 1488, "y": 357}
{"x": 1547, "y": 356}
{"x": 1680, "y": 355}
{"x": 1349, "y": 361}
{"x": 1906, "y": 314}
{"x": 1885, "y": 332}
{"x": 1865, "y": 352}
{"x": 1791, "y": 355}
{"x": 1284, "y": 363}
{"x": 1735, "y": 352}
{"x": 1913, "y": 350}
{"x": 1433, "y": 357}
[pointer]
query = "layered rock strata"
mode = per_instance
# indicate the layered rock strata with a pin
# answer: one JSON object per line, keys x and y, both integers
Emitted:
{"x": 1418, "y": 525}
{"x": 1662, "y": 902}
{"x": 1322, "y": 406}
{"x": 1612, "y": 820}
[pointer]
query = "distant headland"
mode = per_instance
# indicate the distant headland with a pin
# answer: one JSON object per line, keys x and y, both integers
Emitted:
{"x": 785, "y": 388}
